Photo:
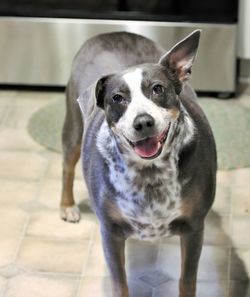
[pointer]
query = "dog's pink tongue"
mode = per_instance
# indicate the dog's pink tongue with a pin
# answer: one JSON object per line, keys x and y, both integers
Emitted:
{"x": 147, "y": 148}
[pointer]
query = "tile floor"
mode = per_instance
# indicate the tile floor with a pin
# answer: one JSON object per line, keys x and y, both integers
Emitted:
{"x": 42, "y": 256}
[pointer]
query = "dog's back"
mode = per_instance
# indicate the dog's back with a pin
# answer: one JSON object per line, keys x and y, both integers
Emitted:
{"x": 109, "y": 53}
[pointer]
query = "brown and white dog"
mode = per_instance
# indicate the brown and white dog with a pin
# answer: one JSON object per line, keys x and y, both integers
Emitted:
{"x": 148, "y": 153}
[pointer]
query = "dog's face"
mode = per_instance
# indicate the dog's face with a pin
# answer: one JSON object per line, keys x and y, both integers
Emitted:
{"x": 142, "y": 103}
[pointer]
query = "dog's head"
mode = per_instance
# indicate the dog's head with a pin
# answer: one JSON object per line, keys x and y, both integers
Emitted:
{"x": 141, "y": 104}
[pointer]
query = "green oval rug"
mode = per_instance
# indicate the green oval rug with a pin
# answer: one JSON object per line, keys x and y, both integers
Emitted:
{"x": 230, "y": 123}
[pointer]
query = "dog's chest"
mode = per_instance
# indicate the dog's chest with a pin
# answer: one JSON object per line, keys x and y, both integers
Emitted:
{"x": 148, "y": 200}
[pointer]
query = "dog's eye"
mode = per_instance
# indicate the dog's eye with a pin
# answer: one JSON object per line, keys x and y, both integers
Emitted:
{"x": 117, "y": 98}
{"x": 158, "y": 90}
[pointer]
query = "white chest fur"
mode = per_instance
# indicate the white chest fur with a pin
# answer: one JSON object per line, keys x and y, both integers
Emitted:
{"x": 148, "y": 199}
{"x": 149, "y": 202}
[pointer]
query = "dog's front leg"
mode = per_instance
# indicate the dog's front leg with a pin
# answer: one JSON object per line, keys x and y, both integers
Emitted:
{"x": 114, "y": 250}
{"x": 191, "y": 245}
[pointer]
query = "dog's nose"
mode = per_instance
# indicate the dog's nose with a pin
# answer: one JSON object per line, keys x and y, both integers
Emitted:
{"x": 144, "y": 123}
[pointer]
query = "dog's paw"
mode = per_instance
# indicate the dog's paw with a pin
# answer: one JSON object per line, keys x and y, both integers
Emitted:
{"x": 70, "y": 214}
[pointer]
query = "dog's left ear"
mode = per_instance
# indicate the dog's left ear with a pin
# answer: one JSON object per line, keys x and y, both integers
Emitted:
{"x": 100, "y": 90}
{"x": 93, "y": 96}
{"x": 181, "y": 57}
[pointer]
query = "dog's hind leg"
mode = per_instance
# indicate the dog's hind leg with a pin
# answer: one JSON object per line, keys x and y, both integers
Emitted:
{"x": 71, "y": 140}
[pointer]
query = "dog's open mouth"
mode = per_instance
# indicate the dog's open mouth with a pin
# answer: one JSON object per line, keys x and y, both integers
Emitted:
{"x": 151, "y": 147}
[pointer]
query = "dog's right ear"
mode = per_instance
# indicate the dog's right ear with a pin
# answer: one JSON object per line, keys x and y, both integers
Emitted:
{"x": 181, "y": 57}
{"x": 100, "y": 90}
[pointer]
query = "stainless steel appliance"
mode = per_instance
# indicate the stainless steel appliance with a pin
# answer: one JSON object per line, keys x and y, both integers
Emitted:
{"x": 37, "y": 46}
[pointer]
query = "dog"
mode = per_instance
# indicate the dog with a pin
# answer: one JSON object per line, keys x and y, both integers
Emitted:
{"x": 148, "y": 152}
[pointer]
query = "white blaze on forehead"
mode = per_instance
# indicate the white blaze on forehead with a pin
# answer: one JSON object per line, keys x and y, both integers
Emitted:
{"x": 139, "y": 102}
{"x": 134, "y": 79}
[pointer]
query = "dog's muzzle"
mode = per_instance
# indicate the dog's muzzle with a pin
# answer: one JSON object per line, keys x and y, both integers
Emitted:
{"x": 151, "y": 147}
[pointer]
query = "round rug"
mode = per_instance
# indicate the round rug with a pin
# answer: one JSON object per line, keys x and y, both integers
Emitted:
{"x": 230, "y": 122}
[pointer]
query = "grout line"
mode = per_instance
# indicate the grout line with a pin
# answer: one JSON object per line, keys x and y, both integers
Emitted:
{"x": 9, "y": 108}
{"x": 65, "y": 240}
{"x": 89, "y": 248}
{"x": 230, "y": 242}
{"x": 39, "y": 150}
{"x": 17, "y": 179}
{"x": 84, "y": 265}
{"x": 78, "y": 287}
{"x": 23, "y": 232}
{"x": 4, "y": 290}
{"x": 53, "y": 274}
{"x": 43, "y": 154}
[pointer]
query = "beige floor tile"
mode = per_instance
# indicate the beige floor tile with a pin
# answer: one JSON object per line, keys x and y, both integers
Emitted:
{"x": 9, "y": 246}
{"x": 17, "y": 139}
{"x": 240, "y": 264}
{"x": 49, "y": 224}
{"x": 215, "y": 289}
{"x": 101, "y": 287}
{"x": 51, "y": 192}
{"x": 204, "y": 289}
{"x": 241, "y": 200}
{"x": 3, "y": 282}
{"x": 41, "y": 286}
{"x": 241, "y": 234}
{"x": 12, "y": 223}
{"x": 169, "y": 260}
{"x": 20, "y": 165}
{"x": 139, "y": 289}
{"x": 222, "y": 202}
{"x": 245, "y": 100}
{"x": 55, "y": 168}
{"x": 241, "y": 177}
{"x": 4, "y": 111}
{"x": 96, "y": 264}
{"x": 154, "y": 279}
{"x": 26, "y": 104}
{"x": 52, "y": 256}
{"x": 10, "y": 270}
{"x": 217, "y": 230}
{"x": 213, "y": 264}
{"x": 224, "y": 178}
{"x": 6, "y": 95}
{"x": 170, "y": 289}
{"x": 96, "y": 286}
{"x": 14, "y": 192}
{"x": 141, "y": 257}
